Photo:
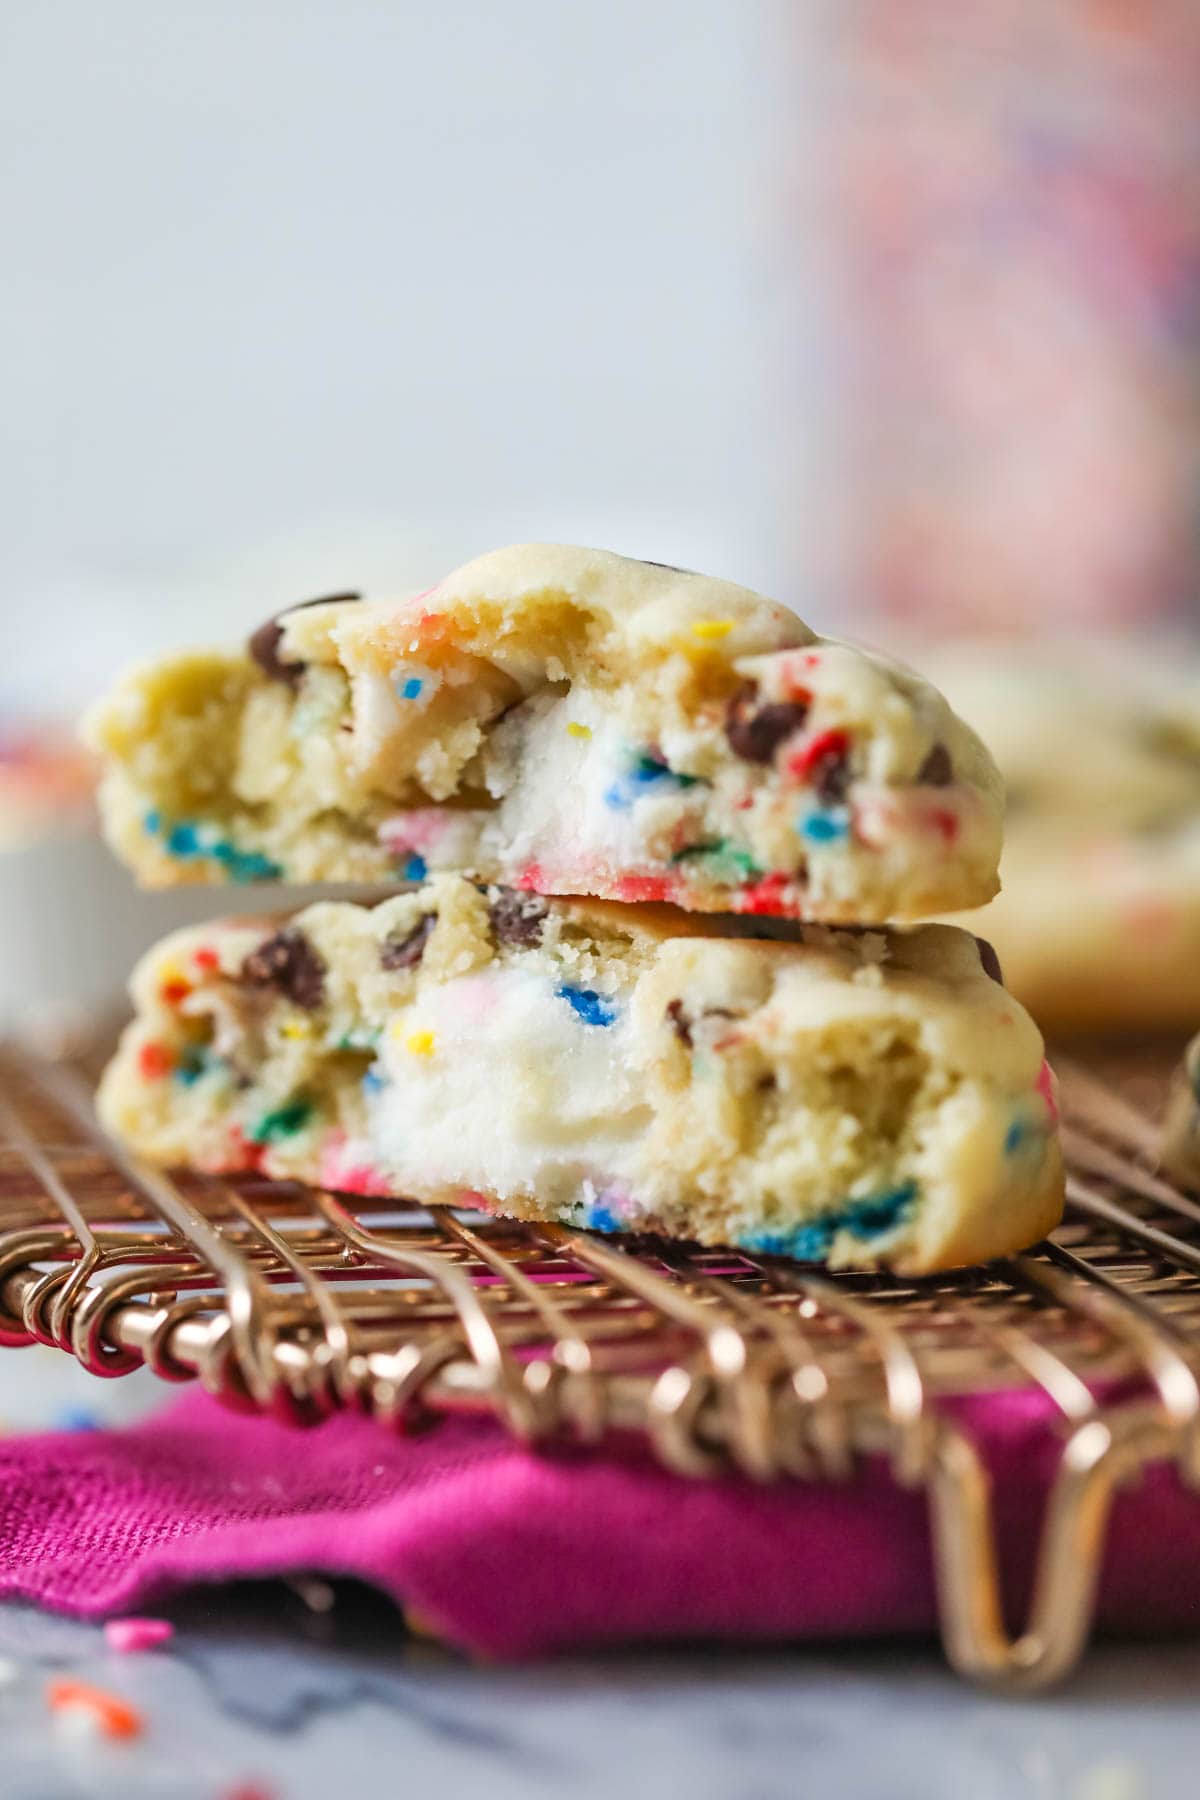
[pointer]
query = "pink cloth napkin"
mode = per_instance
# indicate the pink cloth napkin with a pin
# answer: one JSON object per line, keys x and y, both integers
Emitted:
{"x": 509, "y": 1553}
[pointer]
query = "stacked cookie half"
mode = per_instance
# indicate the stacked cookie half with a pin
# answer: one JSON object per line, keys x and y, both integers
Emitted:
{"x": 640, "y": 839}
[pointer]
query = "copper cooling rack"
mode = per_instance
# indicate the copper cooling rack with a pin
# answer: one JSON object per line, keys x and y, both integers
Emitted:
{"x": 297, "y": 1302}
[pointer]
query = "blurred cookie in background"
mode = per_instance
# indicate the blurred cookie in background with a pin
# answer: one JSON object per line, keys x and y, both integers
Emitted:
{"x": 1098, "y": 920}
{"x": 1181, "y": 1127}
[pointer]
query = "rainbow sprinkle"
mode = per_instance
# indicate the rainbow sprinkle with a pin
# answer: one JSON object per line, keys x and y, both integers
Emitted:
{"x": 578, "y": 731}
{"x": 112, "y": 1716}
{"x": 711, "y": 631}
{"x": 588, "y": 1005}
{"x": 824, "y": 825}
{"x": 127, "y": 1636}
{"x": 282, "y": 1122}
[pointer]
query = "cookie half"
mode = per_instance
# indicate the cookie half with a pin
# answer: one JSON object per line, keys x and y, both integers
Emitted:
{"x": 857, "y": 1097}
{"x": 564, "y": 721}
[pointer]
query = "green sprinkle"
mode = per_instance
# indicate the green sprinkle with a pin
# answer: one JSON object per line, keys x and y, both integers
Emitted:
{"x": 741, "y": 860}
{"x": 284, "y": 1122}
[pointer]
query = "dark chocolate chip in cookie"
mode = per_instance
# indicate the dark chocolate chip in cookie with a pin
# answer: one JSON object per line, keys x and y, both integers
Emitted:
{"x": 516, "y": 918}
{"x": 937, "y": 770}
{"x": 756, "y": 732}
{"x": 679, "y": 1022}
{"x": 288, "y": 963}
{"x": 989, "y": 959}
{"x": 263, "y": 644}
{"x": 405, "y": 952}
{"x": 830, "y": 776}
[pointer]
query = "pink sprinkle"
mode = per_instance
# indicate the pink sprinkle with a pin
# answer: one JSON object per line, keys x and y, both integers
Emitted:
{"x": 418, "y": 829}
{"x": 128, "y": 1635}
{"x": 1047, "y": 1086}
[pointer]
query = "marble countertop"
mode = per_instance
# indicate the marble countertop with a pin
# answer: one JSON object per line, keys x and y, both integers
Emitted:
{"x": 299, "y": 1692}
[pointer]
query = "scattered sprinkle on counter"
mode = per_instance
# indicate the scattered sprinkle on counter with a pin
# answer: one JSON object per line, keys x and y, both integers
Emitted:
{"x": 78, "y": 1702}
{"x": 127, "y": 1636}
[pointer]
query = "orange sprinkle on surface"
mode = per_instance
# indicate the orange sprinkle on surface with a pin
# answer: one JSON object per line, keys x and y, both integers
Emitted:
{"x": 154, "y": 1061}
{"x": 115, "y": 1717}
{"x": 206, "y": 958}
{"x": 174, "y": 991}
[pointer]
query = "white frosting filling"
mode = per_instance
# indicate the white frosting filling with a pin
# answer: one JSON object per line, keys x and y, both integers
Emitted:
{"x": 517, "y": 1094}
{"x": 562, "y": 811}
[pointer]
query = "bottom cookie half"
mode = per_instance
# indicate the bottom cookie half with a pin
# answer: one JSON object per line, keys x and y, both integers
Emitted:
{"x": 852, "y": 1097}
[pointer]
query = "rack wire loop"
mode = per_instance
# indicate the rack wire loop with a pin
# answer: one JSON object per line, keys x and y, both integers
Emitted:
{"x": 295, "y": 1302}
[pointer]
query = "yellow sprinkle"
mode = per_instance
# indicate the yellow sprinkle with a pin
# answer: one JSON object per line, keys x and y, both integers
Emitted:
{"x": 709, "y": 630}
{"x": 579, "y": 731}
{"x": 420, "y": 1043}
{"x": 296, "y": 1028}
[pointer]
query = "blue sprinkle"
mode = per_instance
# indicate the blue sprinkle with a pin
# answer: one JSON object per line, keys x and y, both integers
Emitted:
{"x": 246, "y": 865}
{"x": 588, "y": 1005}
{"x": 188, "y": 841}
{"x": 193, "y": 1062}
{"x": 76, "y": 1418}
{"x": 373, "y": 1081}
{"x": 1014, "y": 1137}
{"x": 619, "y": 798}
{"x": 601, "y": 1218}
{"x": 863, "y": 1219}
{"x": 411, "y": 689}
{"x": 184, "y": 840}
{"x": 153, "y": 823}
{"x": 824, "y": 827}
{"x": 415, "y": 869}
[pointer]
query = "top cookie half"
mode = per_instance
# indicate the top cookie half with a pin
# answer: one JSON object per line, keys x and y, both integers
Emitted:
{"x": 566, "y": 721}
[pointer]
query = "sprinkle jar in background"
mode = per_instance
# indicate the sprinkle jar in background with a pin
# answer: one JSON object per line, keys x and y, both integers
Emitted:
{"x": 1011, "y": 201}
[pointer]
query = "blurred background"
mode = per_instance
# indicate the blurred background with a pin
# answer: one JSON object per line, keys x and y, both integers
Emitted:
{"x": 885, "y": 307}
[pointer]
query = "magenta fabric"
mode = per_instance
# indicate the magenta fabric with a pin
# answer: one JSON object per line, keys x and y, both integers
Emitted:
{"x": 508, "y": 1553}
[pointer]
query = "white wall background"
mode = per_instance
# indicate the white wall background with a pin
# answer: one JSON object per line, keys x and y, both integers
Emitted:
{"x": 312, "y": 293}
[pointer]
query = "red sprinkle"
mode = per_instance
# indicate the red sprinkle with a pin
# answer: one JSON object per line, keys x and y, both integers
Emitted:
{"x": 765, "y": 898}
{"x": 154, "y": 1061}
{"x": 643, "y": 887}
{"x": 825, "y": 743}
{"x": 1047, "y": 1086}
{"x": 127, "y": 1635}
{"x": 946, "y": 822}
{"x": 115, "y": 1717}
{"x": 205, "y": 958}
{"x": 533, "y": 878}
{"x": 174, "y": 991}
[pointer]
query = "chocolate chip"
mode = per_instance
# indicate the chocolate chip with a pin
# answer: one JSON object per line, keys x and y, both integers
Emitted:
{"x": 263, "y": 644}
{"x": 830, "y": 777}
{"x": 756, "y": 732}
{"x": 516, "y": 918}
{"x": 681, "y": 1025}
{"x": 989, "y": 959}
{"x": 937, "y": 770}
{"x": 406, "y": 952}
{"x": 288, "y": 963}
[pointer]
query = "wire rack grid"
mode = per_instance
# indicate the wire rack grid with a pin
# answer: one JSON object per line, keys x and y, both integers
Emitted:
{"x": 296, "y": 1302}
